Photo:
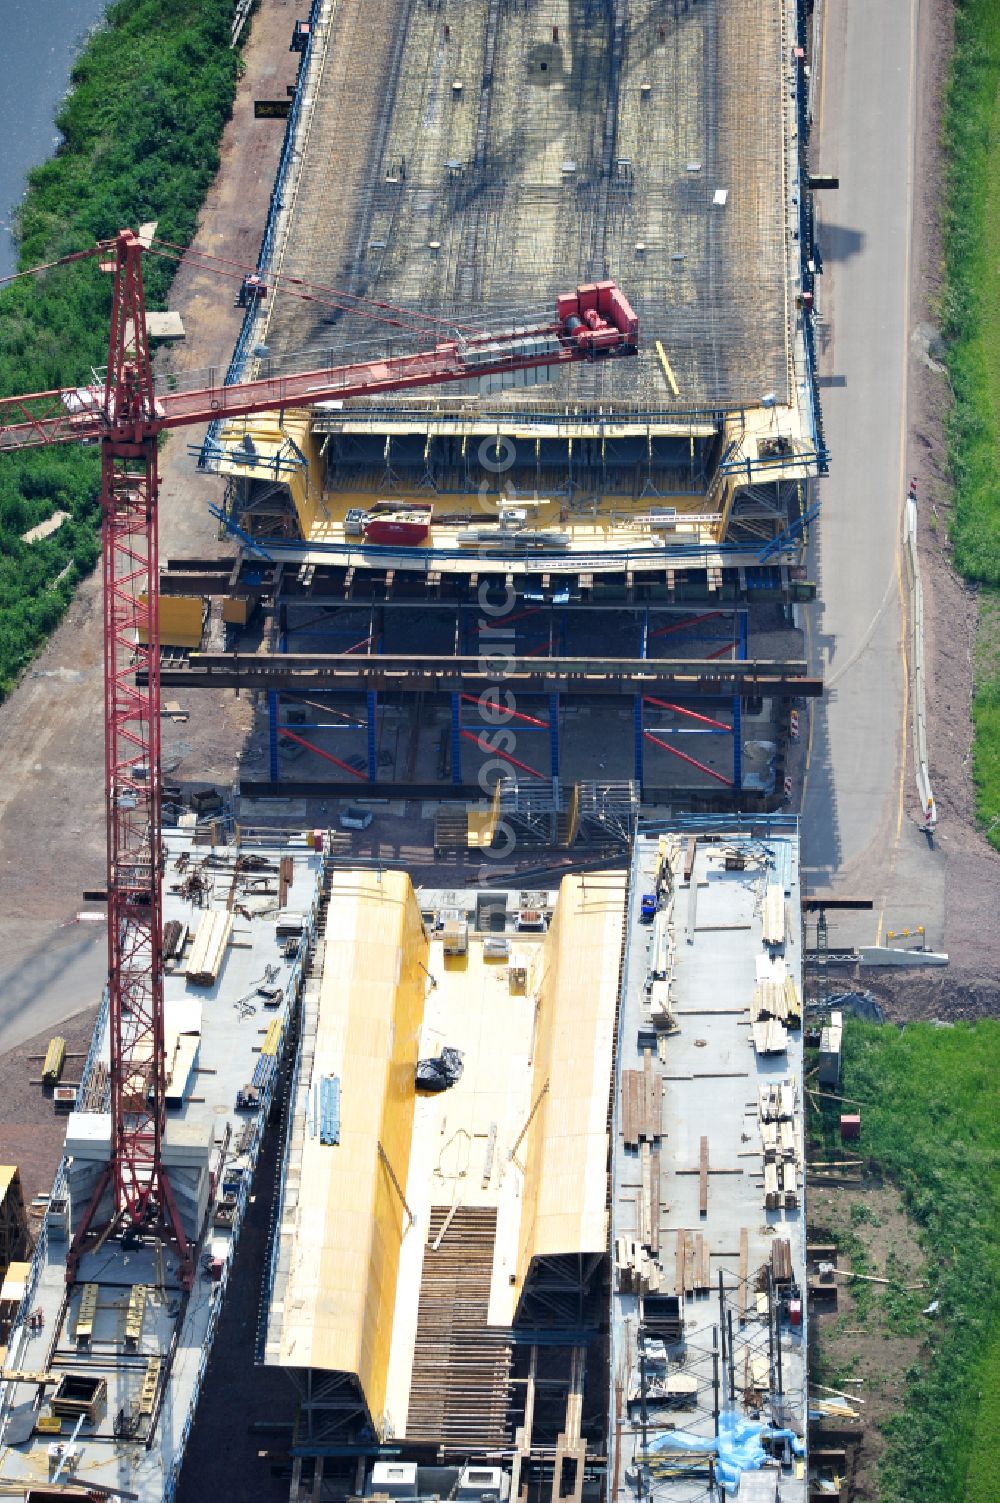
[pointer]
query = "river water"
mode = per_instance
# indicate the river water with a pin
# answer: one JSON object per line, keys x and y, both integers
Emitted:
{"x": 39, "y": 40}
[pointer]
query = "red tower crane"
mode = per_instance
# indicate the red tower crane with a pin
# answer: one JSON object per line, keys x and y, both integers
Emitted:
{"x": 126, "y": 416}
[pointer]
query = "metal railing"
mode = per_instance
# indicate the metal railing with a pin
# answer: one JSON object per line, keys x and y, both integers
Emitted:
{"x": 252, "y": 318}
{"x": 251, "y": 1153}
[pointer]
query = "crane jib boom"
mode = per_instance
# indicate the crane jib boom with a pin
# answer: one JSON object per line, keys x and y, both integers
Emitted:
{"x": 86, "y": 413}
{"x": 132, "y": 1192}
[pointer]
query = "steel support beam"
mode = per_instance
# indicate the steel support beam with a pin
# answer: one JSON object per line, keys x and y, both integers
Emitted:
{"x": 411, "y": 674}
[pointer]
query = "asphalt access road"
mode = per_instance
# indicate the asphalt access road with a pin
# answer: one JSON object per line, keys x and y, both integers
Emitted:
{"x": 860, "y": 813}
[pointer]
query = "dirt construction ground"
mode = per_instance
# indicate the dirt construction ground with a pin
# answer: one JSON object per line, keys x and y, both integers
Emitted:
{"x": 951, "y": 609}
{"x": 864, "y": 1343}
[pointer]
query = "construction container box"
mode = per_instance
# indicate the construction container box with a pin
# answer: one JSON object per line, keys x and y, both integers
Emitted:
{"x": 237, "y": 609}
{"x": 181, "y": 621}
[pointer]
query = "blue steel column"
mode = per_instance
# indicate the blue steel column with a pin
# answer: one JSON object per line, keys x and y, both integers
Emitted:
{"x": 741, "y": 652}
{"x": 372, "y": 701}
{"x": 272, "y": 732}
{"x": 554, "y": 735}
{"x": 638, "y": 740}
{"x": 643, "y": 653}
{"x": 456, "y": 739}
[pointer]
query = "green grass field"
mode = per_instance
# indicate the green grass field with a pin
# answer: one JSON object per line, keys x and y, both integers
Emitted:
{"x": 151, "y": 93}
{"x": 931, "y": 1123}
{"x": 972, "y": 328}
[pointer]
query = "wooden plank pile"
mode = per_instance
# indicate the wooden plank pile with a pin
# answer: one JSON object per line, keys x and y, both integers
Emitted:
{"x": 83, "y": 1330}
{"x": 778, "y": 1139}
{"x": 781, "y": 1260}
{"x": 776, "y": 998}
{"x": 769, "y": 1037}
{"x": 642, "y": 1128}
{"x": 209, "y": 948}
{"x": 781, "y": 1186}
{"x": 779, "y": 1144}
{"x": 774, "y": 915}
{"x": 776, "y": 1101}
{"x": 692, "y": 1271}
{"x": 642, "y": 1103}
{"x": 638, "y": 1272}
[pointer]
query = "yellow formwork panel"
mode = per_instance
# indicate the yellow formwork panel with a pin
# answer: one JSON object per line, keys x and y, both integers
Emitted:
{"x": 607, "y": 520}
{"x": 270, "y": 436}
{"x": 350, "y": 1225}
{"x": 181, "y": 618}
{"x": 565, "y": 1151}
{"x": 481, "y": 829}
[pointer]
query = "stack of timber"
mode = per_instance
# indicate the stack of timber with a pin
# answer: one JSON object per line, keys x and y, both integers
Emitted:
{"x": 642, "y": 1103}
{"x": 209, "y": 948}
{"x": 642, "y": 1128}
{"x": 769, "y": 1037}
{"x": 461, "y": 1368}
{"x": 779, "y": 1140}
{"x": 776, "y": 1101}
{"x": 55, "y": 1058}
{"x": 779, "y": 1145}
{"x": 692, "y": 1273}
{"x": 638, "y": 1273}
{"x": 174, "y": 939}
{"x": 774, "y": 916}
{"x": 661, "y": 1012}
{"x": 776, "y": 998}
{"x": 781, "y": 1260}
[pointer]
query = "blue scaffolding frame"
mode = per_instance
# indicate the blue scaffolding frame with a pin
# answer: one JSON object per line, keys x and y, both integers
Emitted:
{"x": 542, "y": 629}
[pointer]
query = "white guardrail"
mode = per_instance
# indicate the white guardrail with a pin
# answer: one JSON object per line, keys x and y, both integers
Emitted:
{"x": 928, "y": 803}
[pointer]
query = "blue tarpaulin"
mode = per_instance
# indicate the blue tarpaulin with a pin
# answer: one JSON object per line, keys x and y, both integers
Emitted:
{"x": 738, "y": 1446}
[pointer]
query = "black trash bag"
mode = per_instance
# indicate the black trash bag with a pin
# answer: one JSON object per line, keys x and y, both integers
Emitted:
{"x": 861, "y": 1003}
{"x": 440, "y": 1073}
